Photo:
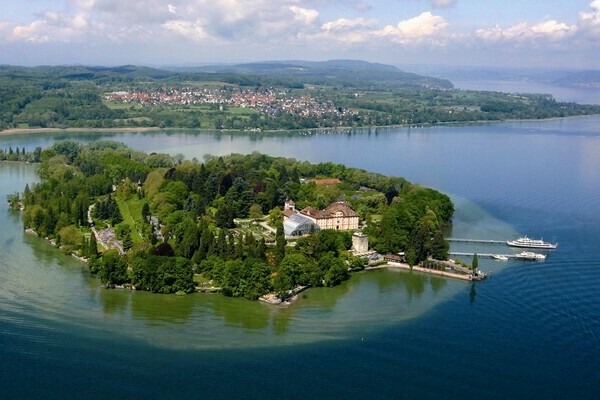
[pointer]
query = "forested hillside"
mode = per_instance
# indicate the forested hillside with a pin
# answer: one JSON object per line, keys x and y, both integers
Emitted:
{"x": 259, "y": 97}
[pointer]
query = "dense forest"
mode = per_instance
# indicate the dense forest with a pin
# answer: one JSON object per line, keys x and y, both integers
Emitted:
{"x": 253, "y": 97}
{"x": 167, "y": 225}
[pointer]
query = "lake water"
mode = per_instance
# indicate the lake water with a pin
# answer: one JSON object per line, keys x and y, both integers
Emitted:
{"x": 531, "y": 331}
{"x": 560, "y": 93}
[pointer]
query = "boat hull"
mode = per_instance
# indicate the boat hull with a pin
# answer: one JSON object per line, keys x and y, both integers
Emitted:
{"x": 529, "y": 256}
{"x": 527, "y": 243}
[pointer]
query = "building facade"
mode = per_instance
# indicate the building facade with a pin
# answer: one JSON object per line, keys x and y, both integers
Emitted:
{"x": 360, "y": 243}
{"x": 337, "y": 216}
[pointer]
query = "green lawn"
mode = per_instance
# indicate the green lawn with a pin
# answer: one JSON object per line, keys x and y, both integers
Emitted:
{"x": 132, "y": 215}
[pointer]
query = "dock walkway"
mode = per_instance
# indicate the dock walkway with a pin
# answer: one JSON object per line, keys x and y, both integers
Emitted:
{"x": 483, "y": 241}
{"x": 484, "y": 255}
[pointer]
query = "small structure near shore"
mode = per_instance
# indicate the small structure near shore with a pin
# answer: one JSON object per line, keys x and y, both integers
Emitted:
{"x": 289, "y": 297}
{"x": 446, "y": 268}
{"x": 360, "y": 243}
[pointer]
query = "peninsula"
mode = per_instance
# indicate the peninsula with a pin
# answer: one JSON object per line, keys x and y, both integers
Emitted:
{"x": 158, "y": 223}
{"x": 257, "y": 97}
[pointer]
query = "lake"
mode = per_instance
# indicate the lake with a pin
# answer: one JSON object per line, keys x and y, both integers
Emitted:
{"x": 530, "y": 331}
{"x": 560, "y": 93}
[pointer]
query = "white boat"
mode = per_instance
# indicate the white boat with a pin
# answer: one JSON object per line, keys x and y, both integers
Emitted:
{"x": 500, "y": 257}
{"x": 528, "y": 255}
{"x": 531, "y": 243}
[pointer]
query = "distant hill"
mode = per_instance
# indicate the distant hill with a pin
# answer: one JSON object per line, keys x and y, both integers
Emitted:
{"x": 79, "y": 72}
{"x": 292, "y": 74}
{"x": 584, "y": 79}
{"x": 348, "y": 73}
{"x": 483, "y": 73}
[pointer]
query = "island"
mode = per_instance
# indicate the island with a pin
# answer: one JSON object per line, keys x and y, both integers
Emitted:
{"x": 243, "y": 225}
{"x": 255, "y": 97}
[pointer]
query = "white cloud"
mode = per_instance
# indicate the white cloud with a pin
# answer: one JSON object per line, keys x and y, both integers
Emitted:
{"x": 550, "y": 30}
{"x": 424, "y": 26}
{"x": 317, "y": 28}
{"x": 34, "y": 32}
{"x": 50, "y": 27}
{"x": 581, "y": 33}
{"x": 590, "y": 21}
{"x": 190, "y": 30}
{"x": 443, "y": 3}
{"x": 237, "y": 22}
{"x": 344, "y": 24}
{"x": 553, "y": 29}
{"x": 305, "y": 15}
{"x": 347, "y": 31}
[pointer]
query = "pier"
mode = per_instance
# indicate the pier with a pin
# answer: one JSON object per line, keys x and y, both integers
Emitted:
{"x": 483, "y": 241}
{"x": 484, "y": 255}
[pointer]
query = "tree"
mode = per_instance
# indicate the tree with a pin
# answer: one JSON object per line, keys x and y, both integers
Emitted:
{"x": 336, "y": 270}
{"x": 160, "y": 274}
{"x": 475, "y": 263}
{"x": 70, "y": 238}
{"x": 280, "y": 243}
{"x": 255, "y": 211}
{"x": 439, "y": 246}
{"x": 112, "y": 269}
{"x": 275, "y": 216}
{"x": 127, "y": 241}
{"x": 14, "y": 201}
{"x": 92, "y": 251}
{"x": 145, "y": 212}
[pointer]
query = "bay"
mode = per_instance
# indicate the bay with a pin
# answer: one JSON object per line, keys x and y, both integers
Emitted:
{"x": 560, "y": 93}
{"x": 531, "y": 331}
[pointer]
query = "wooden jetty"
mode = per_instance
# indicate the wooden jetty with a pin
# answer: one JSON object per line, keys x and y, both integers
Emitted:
{"x": 483, "y": 241}
{"x": 484, "y": 255}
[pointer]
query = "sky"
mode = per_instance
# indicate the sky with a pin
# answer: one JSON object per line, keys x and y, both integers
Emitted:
{"x": 507, "y": 33}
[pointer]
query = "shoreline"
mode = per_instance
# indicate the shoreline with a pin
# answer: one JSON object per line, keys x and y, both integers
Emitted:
{"x": 406, "y": 267}
{"x": 24, "y": 131}
{"x": 20, "y": 131}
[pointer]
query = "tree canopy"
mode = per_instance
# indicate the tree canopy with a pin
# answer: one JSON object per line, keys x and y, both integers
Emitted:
{"x": 167, "y": 220}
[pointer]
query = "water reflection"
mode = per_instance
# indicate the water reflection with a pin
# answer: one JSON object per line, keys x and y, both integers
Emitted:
{"x": 472, "y": 293}
{"x": 281, "y": 322}
{"x": 437, "y": 283}
{"x": 114, "y": 303}
{"x": 241, "y": 313}
{"x": 156, "y": 309}
{"x": 57, "y": 287}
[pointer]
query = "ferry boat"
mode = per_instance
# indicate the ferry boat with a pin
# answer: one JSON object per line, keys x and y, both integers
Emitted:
{"x": 531, "y": 243}
{"x": 528, "y": 255}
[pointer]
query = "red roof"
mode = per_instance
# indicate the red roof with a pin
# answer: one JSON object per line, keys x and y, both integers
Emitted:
{"x": 330, "y": 211}
{"x": 328, "y": 181}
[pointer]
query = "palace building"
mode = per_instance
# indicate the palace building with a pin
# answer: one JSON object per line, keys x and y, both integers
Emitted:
{"x": 338, "y": 216}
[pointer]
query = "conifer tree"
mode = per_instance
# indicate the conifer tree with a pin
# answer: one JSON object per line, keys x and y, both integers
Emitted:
{"x": 279, "y": 243}
{"x": 475, "y": 263}
{"x": 92, "y": 251}
{"x": 127, "y": 241}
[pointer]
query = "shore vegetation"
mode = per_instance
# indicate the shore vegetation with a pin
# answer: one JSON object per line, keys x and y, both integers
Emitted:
{"x": 275, "y": 97}
{"x": 167, "y": 225}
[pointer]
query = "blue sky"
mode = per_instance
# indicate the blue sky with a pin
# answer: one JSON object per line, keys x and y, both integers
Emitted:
{"x": 517, "y": 33}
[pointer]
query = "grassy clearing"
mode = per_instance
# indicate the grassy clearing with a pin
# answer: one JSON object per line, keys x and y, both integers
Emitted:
{"x": 116, "y": 106}
{"x": 242, "y": 111}
{"x": 132, "y": 215}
